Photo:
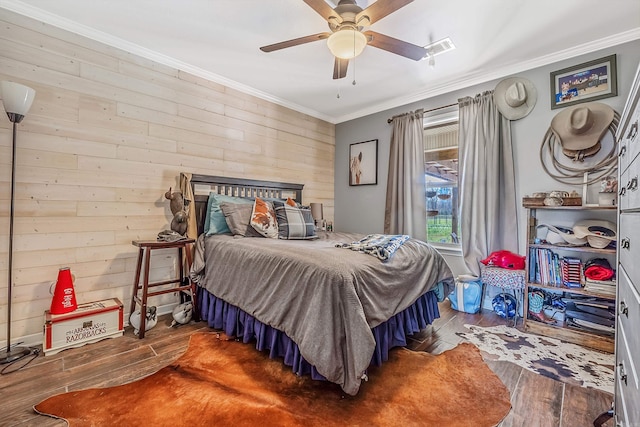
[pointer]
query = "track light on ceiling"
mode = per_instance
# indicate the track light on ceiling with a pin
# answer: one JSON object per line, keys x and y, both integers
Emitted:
{"x": 437, "y": 48}
{"x": 347, "y": 43}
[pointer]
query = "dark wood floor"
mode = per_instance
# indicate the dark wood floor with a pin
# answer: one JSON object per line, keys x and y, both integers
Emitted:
{"x": 536, "y": 400}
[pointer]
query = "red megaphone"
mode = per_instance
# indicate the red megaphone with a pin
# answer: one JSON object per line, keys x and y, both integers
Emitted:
{"x": 64, "y": 297}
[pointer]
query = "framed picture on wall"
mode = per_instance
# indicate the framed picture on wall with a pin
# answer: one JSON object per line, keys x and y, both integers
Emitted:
{"x": 363, "y": 163}
{"x": 590, "y": 81}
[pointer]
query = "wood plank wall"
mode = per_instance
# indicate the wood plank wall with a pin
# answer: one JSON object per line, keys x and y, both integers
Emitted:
{"x": 108, "y": 134}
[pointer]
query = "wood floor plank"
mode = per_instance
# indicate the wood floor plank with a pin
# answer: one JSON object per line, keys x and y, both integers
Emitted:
{"x": 586, "y": 405}
{"x": 536, "y": 401}
{"x": 509, "y": 373}
{"x": 126, "y": 373}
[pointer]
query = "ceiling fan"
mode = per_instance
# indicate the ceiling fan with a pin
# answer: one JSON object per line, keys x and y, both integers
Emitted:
{"x": 347, "y": 38}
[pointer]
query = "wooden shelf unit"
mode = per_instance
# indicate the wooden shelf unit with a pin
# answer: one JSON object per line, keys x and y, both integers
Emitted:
{"x": 561, "y": 330}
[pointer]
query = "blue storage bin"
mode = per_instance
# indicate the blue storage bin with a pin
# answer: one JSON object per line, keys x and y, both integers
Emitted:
{"x": 466, "y": 296}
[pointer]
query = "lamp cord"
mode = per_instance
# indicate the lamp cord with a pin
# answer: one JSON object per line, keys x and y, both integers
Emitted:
{"x": 34, "y": 354}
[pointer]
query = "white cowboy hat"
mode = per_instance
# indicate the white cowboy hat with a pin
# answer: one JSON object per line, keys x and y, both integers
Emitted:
{"x": 515, "y": 97}
{"x": 561, "y": 235}
{"x": 582, "y": 126}
{"x": 599, "y": 233}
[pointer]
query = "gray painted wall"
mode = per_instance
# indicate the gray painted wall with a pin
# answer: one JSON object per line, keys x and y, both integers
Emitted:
{"x": 361, "y": 209}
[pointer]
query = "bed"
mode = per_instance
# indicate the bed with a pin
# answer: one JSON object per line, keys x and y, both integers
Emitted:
{"x": 327, "y": 311}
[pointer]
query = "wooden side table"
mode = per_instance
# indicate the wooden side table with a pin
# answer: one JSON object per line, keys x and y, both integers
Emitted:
{"x": 146, "y": 246}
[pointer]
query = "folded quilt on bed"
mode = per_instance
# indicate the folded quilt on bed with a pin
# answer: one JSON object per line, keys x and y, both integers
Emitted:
{"x": 382, "y": 246}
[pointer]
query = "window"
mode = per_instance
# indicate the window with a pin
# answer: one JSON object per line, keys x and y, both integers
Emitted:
{"x": 441, "y": 175}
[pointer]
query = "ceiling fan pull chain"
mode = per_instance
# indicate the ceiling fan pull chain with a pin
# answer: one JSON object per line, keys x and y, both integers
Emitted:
{"x": 354, "y": 59}
{"x": 339, "y": 84}
{"x": 354, "y": 72}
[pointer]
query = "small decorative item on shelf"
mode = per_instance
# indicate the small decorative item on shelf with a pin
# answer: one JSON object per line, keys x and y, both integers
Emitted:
{"x": 553, "y": 201}
{"x": 608, "y": 195}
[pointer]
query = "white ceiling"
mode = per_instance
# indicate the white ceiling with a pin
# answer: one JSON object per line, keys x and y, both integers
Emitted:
{"x": 220, "y": 40}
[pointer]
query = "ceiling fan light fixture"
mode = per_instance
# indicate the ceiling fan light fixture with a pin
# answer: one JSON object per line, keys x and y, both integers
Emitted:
{"x": 346, "y": 43}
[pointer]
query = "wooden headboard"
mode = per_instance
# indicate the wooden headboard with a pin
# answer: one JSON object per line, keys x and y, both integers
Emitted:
{"x": 202, "y": 185}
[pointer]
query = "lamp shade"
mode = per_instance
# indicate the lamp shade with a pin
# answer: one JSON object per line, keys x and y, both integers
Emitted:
{"x": 316, "y": 211}
{"x": 346, "y": 43}
{"x": 17, "y": 98}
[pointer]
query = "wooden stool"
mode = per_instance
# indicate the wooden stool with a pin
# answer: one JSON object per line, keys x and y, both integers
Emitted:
{"x": 146, "y": 246}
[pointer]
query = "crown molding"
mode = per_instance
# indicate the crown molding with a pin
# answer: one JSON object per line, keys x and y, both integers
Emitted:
{"x": 471, "y": 79}
{"x": 483, "y": 76}
{"x": 99, "y": 36}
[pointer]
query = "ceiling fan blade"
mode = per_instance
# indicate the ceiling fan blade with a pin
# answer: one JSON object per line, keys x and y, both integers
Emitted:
{"x": 340, "y": 68}
{"x": 396, "y": 46}
{"x": 323, "y": 9}
{"x": 295, "y": 42}
{"x": 381, "y": 8}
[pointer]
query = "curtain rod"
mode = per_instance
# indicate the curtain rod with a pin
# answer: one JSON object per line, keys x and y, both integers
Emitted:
{"x": 426, "y": 111}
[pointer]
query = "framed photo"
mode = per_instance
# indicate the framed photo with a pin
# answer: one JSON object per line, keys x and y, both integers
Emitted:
{"x": 363, "y": 163}
{"x": 590, "y": 81}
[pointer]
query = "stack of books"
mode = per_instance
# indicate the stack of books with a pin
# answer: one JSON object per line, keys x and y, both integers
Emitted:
{"x": 603, "y": 287}
{"x": 571, "y": 272}
{"x": 544, "y": 267}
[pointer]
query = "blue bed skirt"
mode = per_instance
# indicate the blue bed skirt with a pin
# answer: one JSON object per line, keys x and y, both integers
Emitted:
{"x": 237, "y": 323}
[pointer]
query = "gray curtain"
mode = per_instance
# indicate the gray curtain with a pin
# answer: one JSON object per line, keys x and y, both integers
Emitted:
{"x": 487, "y": 181}
{"x": 405, "y": 209}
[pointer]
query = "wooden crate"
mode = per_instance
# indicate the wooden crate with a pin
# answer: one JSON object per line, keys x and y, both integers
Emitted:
{"x": 90, "y": 322}
{"x": 536, "y": 202}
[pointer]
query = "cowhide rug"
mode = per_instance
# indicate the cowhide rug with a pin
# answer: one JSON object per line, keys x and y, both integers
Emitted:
{"x": 221, "y": 382}
{"x": 546, "y": 356}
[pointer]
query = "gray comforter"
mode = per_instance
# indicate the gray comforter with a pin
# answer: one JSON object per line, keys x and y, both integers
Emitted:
{"x": 324, "y": 298}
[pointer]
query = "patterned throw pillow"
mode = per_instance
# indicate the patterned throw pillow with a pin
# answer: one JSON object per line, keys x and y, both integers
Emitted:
{"x": 294, "y": 222}
{"x": 238, "y": 217}
{"x": 263, "y": 218}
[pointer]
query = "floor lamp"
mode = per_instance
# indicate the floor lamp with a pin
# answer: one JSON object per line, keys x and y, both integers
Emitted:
{"x": 17, "y": 100}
